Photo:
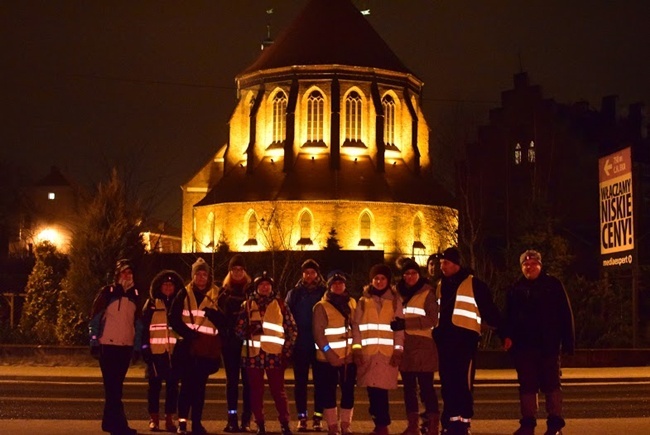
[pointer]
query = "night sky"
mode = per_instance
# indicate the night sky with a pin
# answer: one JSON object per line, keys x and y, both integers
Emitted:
{"x": 150, "y": 84}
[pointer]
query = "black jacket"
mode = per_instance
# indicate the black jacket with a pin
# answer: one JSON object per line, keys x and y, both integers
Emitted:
{"x": 538, "y": 316}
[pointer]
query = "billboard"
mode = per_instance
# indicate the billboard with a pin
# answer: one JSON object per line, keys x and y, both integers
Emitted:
{"x": 616, "y": 209}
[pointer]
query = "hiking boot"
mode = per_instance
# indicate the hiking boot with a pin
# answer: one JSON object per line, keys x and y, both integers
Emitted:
{"x": 182, "y": 427}
{"x": 198, "y": 429}
{"x": 261, "y": 430}
{"x": 169, "y": 423}
{"x": 232, "y": 425}
{"x": 285, "y": 429}
{"x": 302, "y": 425}
{"x": 317, "y": 423}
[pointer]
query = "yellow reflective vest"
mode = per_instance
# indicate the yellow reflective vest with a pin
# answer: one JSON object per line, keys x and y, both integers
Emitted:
{"x": 161, "y": 336}
{"x": 193, "y": 314}
{"x": 272, "y": 338}
{"x": 466, "y": 314}
{"x": 337, "y": 332}
{"x": 376, "y": 335}
{"x": 415, "y": 309}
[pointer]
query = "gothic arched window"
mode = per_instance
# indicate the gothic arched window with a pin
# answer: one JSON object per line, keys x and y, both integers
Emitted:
{"x": 252, "y": 229}
{"x": 353, "y": 108}
{"x": 279, "y": 117}
{"x": 517, "y": 154}
{"x": 365, "y": 229}
{"x": 305, "y": 221}
{"x": 388, "y": 104}
{"x": 531, "y": 152}
{"x": 315, "y": 107}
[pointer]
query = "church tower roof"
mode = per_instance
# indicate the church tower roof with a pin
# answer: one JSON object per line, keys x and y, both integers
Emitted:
{"x": 329, "y": 32}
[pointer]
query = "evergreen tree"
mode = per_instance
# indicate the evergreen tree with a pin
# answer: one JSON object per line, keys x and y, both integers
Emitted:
{"x": 332, "y": 241}
{"x": 108, "y": 229}
{"x": 39, "y": 317}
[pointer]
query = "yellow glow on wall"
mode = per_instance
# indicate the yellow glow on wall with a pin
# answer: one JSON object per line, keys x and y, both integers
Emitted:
{"x": 56, "y": 236}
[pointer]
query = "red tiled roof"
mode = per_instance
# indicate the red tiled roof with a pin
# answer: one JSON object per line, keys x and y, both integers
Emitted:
{"x": 329, "y": 32}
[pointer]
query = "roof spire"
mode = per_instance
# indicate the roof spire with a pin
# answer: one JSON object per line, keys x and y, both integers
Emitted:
{"x": 268, "y": 41}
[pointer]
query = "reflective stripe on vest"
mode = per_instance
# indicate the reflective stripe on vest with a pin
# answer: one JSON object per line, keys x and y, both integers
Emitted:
{"x": 338, "y": 334}
{"x": 414, "y": 310}
{"x": 272, "y": 338}
{"x": 194, "y": 317}
{"x": 466, "y": 313}
{"x": 161, "y": 336}
{"x": 376, "y": 335}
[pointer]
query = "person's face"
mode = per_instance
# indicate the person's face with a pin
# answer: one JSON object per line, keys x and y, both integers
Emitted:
{"x": 380, "y": 282}
{"x": 448, "y": 268}
{"x": 338, "y": 287}
{"x": 531, "y": 269}
{"x": 201, "y": 279}
{"x": 411, "y": 277}
{"x": 125, "y": 277}
{"x": 167, "y": 288}
{"x": 237, "y": 273}
{"x": 431, "y": 267}
{"x": 264, "y": 288}
{"x": 309, "y": 275}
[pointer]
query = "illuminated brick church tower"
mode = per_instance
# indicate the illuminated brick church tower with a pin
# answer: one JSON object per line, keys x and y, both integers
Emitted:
{"x": 327, "y": 134}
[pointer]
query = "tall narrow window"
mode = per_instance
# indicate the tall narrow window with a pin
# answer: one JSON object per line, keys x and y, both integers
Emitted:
{"x": 305, "y": 228}
{"x": 279, "y": 117}
{"x": 417, "y": 228}
{"x": 389, "y": 119}
{"x": 252, "y": 230}
{"x": 353, "y": 107}
{"x": 517, "y": 154}
{"x": 531, "y": 152}
{"x": 365, "y": 223}
{"x": 315, "y": 107}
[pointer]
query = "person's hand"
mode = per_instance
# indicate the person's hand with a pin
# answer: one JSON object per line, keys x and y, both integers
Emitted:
{"x": 333, "y": 359}
{"x": 507, "y": 343}
{"x": 146, "y": 354}
{"x": 398, "y": 324}
{"x": 135, "y": 357}
{"x": 255, "y": 328}
{"x": 396, "y": 358}
{"x": 357, "y": 355}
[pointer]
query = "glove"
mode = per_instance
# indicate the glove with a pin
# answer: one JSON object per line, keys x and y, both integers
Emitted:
{"x": 358, "y": 357}
{"x": 135, "y": 357}
{"x": 398, "y": 324}
{"x": 333, "y": 359}
{"x": 211, "y": 314}
{"x": 396, "y": 358}
{"x": 146, "y": 354}
{"x": 255, "y": 328}
{"x": 95, "y": 350}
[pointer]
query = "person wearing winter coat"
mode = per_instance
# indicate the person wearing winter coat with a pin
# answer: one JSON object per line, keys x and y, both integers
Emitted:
{"x": 332, "y": 329}
{"x": 301, "y": 300}
{"x": 377, "y": 349}
{"x": 115, "y": 329}
{"x": 158, "y": 342}
{"x": 269, "y": 332}
{"x": 232, "y": 295}
{"x": 420, "y": 359}
{"x": 465, "y": 306}
{"x": 539, "y": 325}
{"x": 196, "y": 317}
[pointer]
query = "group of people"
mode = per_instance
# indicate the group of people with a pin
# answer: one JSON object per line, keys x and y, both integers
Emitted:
{"x": 407, "y": 330}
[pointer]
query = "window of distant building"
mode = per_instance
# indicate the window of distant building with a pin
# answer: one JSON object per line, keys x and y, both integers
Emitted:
{"x": 353, "y": 110}
{"x": 417, "y": 234}
{"x": 51, "y": 196}
{"x": 531, "y": 152}
{"x": 517, "y": 154}
{"x": 279, "y": 117}
{"x": 388, "y": 104}
{"x": 365, "y": 229}
{"x": 305, "y": 221}
{"x": 315, "y": 108}
{"x": 252, "y": 229}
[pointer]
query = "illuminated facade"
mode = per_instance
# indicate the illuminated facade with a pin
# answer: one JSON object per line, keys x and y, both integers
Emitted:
{"x": 327, "y": 134}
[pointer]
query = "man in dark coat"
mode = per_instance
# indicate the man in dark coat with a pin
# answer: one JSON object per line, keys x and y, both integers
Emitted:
{"x": 539, "y": 323}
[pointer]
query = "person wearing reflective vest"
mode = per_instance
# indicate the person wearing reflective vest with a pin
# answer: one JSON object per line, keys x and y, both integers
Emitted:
{"x": 332, "y": 328}
{"x": 158, "y": 341}
{"x": 196, "y": 317}
{"x": 420, "y": 360}
{"x": 377, "y": 349}
{"x": 465, "y": 307}
{"x": 269, "y": 332}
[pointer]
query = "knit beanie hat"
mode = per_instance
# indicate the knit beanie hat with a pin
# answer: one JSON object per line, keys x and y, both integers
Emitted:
{"x": 122, "y": 265}
{"x": 408, "y": 264}
{"x": 200, "y": 264}
{"x": 433, "y": 257}
{"x": 310, "y": 264}
{"x": 530, "y": 254}
{"x": 237, "y": 260}
{"x": 264, "y": 276}
{"x": 381, "y": 269}
{"x": 451, "y": 254}
{"x": 335, "y": 275}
